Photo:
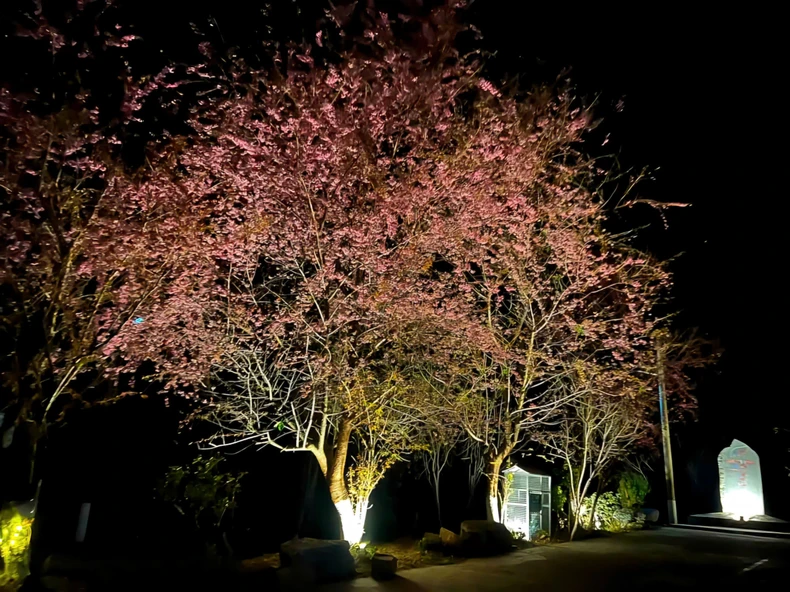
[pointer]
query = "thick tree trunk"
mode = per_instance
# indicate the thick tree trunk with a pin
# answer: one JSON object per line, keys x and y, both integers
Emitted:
{"x": 337, "y": 468}
{"x": 492, "y": 507}
{"x": 352, "y": 516}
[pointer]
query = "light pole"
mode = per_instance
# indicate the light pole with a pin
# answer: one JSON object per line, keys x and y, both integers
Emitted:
{"x": 672, "y": 508}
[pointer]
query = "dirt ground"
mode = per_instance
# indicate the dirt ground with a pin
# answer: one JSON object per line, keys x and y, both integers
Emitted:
{"x": 407, "y": 550}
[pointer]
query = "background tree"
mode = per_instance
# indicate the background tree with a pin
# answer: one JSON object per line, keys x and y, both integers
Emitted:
{"x": 205, "y": 494}
{"x": 540, "y": 280}
{"x": 596, "y": 428}
{"x": 439, "y": 439}
{"x": 83, "y": 261}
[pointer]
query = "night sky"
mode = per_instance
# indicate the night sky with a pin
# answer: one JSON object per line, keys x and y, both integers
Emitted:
{"x": 701, "y": 95}
{"x": 701, "y": 105}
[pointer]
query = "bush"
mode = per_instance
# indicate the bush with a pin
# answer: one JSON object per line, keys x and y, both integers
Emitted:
{"x": 205, "y": 494}
{"x": 633, "y": 488}
{"x": 559, "y": 502}
{"x": 610, "y": 515}
{"x": 540, "y": 536}
{"x": 16, "y": 526}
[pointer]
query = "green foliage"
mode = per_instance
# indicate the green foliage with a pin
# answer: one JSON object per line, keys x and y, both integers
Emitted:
{"x": 429, "y": 542}
{"x": 541, "y": 536}
{"x": 202, "y": 492}
{"x": 559, "y": 502}
{"x": 363, "y": 551}
{"x": 15, "y": 530}
{"x": 633, "y": 488}
{"x": 518, "y": 535}
{"x": 610, "y": 515}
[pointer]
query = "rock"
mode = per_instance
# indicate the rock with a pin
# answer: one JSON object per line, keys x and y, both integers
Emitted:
{"x": 431, "y": 542}
{"x": 383, "y": 566}
{"x": 316, "y": 561}
{"x": 651, "y": 515}
{"x": 485, "y": 537}
{"x": 449, "y": 538}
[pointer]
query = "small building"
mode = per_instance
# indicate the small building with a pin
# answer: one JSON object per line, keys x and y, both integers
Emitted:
{"x": 528, "y": 504}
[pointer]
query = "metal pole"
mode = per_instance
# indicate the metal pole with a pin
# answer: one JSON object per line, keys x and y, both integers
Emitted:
{"x": 672, "y": 508}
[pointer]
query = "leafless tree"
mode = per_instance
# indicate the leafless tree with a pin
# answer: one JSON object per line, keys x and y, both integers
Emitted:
{"x": 356, "y": 428}
{"x": 440, "y": 441}
{"x": 593, "y": 430}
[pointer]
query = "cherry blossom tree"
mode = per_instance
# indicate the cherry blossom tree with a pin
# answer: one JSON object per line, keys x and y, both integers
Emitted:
{"x": 304, "y": 175}
{"x": 385, "y": 189}
{"x": 330, "y": 218}
{"x": 96, "y": 262}
{"x": 525, "y": 244}
{"x": 90, "y": 269}
{"x": 341, "y": 249}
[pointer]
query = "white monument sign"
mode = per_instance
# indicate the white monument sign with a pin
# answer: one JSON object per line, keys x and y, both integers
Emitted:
{"x": 740, "y": 481}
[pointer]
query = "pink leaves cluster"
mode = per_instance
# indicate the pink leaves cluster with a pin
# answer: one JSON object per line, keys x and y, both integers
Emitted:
{"x": 389, "y": 200}
{"x": 335, "y": 205}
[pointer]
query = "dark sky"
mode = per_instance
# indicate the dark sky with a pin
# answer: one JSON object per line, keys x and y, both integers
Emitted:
{"x": 702, "y": 105}
{"x": 701, "y": 90}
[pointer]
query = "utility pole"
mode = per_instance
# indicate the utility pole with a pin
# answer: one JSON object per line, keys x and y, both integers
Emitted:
{"x": 672, "y": 508}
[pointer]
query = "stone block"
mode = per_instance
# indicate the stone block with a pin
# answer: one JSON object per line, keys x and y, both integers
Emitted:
{"x": 317, "y": 561}
{"x": 383, "y": 566}
{"x": 485, "y": 537}
{"x": 449, "y": 538}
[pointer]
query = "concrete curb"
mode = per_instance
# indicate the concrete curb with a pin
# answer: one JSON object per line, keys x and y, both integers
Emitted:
{"x": 726, "y": 530}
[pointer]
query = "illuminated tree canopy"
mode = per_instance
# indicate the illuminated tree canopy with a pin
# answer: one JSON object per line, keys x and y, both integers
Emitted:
{"x": 360, "y": 253}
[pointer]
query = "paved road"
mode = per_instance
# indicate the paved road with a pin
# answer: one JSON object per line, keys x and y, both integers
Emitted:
{"x": 663, "y": 559}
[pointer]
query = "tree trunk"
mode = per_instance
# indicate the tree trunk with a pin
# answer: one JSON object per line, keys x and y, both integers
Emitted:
{"x": 336, "y": 470}
{"x": 492, "y": 506}
{"x": 574, "y": 527}
{"x": 579, "y": 495}
{"x": 438, "y": 500}
{"x": 320, "y": 456}
{"x": 352, "y": 516}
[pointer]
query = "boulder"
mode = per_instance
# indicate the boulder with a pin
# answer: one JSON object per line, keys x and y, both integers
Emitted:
{"x": 383, "y": 566}
{"x": 485, "y": 537}
{"x": 317, "y": 561}
{"x": 651, "y": 515}
{"x": 449, "y": 538}
{"x": 431, "y": 542}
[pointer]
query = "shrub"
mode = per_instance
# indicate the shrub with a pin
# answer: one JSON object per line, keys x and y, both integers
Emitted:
{"x": 633, "y": 488}
{"x": 540, "y": 536}
{"x": 15, "y": 529}
{"x": 559, "y": 503}
{"x": 204, "y": 493}
{"x": 610, "y": 515}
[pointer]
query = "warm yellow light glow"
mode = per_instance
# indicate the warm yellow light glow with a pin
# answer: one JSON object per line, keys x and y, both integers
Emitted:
{"x": 494, "y": 504}
{"x": 352, "y": 520}
{"x": 15, "y": 529}
{"x": 362, "y": 545}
